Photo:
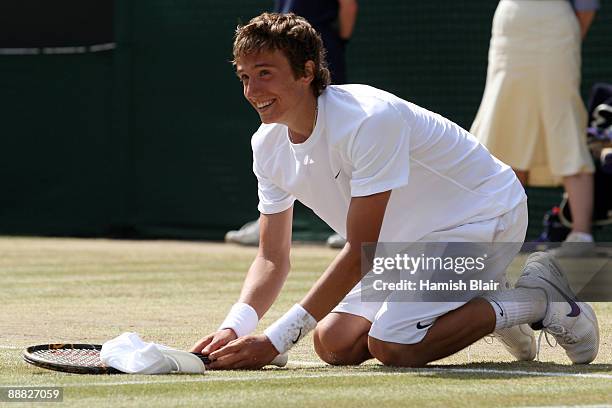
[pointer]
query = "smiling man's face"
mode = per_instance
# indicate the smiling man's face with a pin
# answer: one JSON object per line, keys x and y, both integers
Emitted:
{"x": 270, "y": 86}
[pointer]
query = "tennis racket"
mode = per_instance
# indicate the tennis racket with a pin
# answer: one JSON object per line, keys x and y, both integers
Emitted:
{"x": 74, "y": 358}
{"x": 85, "y": 358}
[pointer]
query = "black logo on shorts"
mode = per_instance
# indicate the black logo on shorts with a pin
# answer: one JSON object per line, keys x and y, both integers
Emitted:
{"x": 423, "y": 326}
{"x": 336, "y": 176}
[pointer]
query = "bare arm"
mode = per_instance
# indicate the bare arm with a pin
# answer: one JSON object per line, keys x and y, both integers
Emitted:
{"x": 347, "y": 16}
{"x": 364, "y": 220}
{"x": 269, "y": 270}
{"x": 585, "y": 18}
{"x": 265, "y": 277}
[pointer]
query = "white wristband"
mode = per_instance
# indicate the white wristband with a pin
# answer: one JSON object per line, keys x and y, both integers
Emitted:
{"x": 289, "y": 329}
{"x": 242, "y": 319}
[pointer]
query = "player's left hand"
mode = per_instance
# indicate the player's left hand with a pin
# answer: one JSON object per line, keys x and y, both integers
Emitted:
{"x": 248, "y": 352}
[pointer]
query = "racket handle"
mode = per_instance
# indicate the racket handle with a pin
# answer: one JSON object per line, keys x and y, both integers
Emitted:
{"x": 279, "y": 361}
{"x": 202, "y": 357}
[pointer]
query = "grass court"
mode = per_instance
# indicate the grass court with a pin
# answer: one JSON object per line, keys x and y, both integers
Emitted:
{"x": 73, "y": 290}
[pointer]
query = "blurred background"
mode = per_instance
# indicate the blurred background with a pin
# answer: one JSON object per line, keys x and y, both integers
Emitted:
{"x": 126, "y": 120}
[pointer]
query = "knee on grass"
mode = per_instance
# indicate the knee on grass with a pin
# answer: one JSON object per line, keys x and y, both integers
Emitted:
{"x": 335, "y": 348}
{"x": 395, "y": 354}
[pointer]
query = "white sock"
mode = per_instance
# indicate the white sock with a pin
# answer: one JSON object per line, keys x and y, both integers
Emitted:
{"x": 517, "y": 306}
{"x": 577, "y": 236}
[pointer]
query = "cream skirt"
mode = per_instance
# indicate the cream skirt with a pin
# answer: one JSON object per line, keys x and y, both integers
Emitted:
{"x": 532, "y": 116}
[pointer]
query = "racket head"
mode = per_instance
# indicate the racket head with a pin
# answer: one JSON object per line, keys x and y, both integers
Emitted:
{"x": 73, "y": 358}
{"x": 68, "y": 358}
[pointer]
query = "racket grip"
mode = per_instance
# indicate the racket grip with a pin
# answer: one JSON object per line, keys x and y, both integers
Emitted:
{"x": 202, "y": 357}
{"x": 279, "y": 361}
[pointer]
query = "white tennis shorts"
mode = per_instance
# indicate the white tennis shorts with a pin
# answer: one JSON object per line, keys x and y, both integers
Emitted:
{"x": 404, "y": 322}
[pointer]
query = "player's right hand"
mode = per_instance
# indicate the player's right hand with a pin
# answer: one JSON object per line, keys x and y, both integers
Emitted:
{"x": 214, "y": 341}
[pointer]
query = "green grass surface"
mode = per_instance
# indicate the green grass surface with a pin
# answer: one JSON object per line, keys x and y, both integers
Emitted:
{"x": 67, "y": 290}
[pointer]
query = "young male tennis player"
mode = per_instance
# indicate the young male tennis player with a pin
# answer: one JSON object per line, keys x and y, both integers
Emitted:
{"x": 377, "y": 169}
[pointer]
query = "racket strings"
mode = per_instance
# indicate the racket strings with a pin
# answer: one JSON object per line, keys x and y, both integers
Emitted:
{"x": 78, "y": 357}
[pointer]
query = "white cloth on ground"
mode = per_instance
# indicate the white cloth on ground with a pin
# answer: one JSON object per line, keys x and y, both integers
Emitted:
{"x": 130, "y": 354}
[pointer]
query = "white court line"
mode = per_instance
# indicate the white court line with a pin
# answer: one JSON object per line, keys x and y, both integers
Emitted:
{"x": 570, "y": 406}
{"x": 421, "y": 371}
{"x": 518, "y": 372}
{"x": 424, "y": 371}
{"x": 307, "y": 363}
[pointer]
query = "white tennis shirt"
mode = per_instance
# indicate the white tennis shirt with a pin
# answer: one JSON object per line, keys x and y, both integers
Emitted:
{"x": 367, "y": 141}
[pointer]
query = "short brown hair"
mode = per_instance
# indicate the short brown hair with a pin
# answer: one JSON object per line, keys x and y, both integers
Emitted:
{"x": 290, "y": 34}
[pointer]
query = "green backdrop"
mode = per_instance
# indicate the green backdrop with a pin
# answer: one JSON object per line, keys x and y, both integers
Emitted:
{"x": 151, "y": 140}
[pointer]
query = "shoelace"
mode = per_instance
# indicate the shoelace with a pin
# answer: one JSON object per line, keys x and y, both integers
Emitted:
{"x": 487, "y": 339}
{"x": 539, "y": 343}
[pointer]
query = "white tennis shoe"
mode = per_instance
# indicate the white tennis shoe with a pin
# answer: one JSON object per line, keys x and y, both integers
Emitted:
{"x": 572, "y": 323}
{"x": 576, "y": 245}
{"x": 247, "y": 235}
{"x": 336, "y": 241}
{"x": 519, "y": 341}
